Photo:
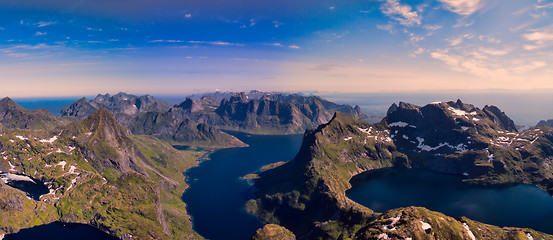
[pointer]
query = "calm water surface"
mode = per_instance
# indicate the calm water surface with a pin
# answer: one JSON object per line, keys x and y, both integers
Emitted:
{"x": 60, "y": 231}
{"x": 518, "y": 205}
{"x": 217, "y": 196}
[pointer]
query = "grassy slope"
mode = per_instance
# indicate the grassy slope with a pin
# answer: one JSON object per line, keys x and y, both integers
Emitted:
{"x": 123, "y": 204}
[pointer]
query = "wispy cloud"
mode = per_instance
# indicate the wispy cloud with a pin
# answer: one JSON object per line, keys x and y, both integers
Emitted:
{"x": 217, "y": 43}
{"x": 386, "y": 27}
{"x": 44, "y": 24}
{"x": 401, "y": 12}
{"x": 540, "y": 38}
{"x": 294, "y": 46}
{"x": 489, "y": 39}
{"x": 165, "y": 41}
{"x": 40, "y": 33}
{"x": 462, "y": 7}
{"x": 432, "y": 27}
{"x": 487, "y": 62}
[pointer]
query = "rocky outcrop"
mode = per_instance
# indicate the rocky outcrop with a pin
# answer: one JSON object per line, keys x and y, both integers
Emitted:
{"x": 273, "y": 232}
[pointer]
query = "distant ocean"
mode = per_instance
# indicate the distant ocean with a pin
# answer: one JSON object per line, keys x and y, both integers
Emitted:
{"x": 526, "y": 108}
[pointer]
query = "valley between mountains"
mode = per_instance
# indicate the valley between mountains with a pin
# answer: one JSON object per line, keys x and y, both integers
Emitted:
{"x": 110, "y": 163}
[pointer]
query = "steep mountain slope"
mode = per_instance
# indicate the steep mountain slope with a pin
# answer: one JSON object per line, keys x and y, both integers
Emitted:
{"x": 169, "y": 127}
{"x": 14, "y": 116}
{"x": 307, "y": 194}
{"x": 98, "y": 174}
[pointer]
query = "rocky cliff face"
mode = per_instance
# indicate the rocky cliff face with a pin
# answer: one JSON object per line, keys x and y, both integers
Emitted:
{"x": 273, "y": 232}
{"x": 14, "y": 116}
{"x": 307, "y": 194}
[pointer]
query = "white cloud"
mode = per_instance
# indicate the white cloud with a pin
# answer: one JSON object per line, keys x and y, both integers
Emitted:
{"x": 549, "y": 5}
{"x": 487, "y": 62}
{"x": 165, "y": 41}
{"x": 432, "y": 27}
{"x": 455, "y": 41}
{"x": 414, "y": 38}
{"x": 489, "y": 39}
{"x": 40, "y": 33}
{"x": 217, "y": 43}
{"x": 386, "y": 27}
{"x": 493, "y": 52}
{"x": 401, "y": 12}
{"x": 462, "y": 7}
{"x": 44, "y": 24}
{"x": 294, "y": 46}
{"x": 540, "y": 38}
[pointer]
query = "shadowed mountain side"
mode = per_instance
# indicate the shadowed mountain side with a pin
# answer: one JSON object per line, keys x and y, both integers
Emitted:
{"x": 168, "y": 127}
{"x": 14, "y": 116}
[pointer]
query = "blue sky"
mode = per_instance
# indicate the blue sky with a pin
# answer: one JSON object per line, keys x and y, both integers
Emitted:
{"x": 73, "y": 48}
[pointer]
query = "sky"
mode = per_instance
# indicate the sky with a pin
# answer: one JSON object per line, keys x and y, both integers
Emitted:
{"x": 172, "y": 47}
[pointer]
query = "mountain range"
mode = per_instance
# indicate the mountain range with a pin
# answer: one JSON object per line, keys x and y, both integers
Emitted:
{"x": 307, "y": 194}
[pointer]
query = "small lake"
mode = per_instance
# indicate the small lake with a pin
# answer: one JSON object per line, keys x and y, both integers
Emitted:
{"x": 217, "y": 196}
{"x": 519, "y": 205}
{"x": 60, "y": 231}
{"x": 33, "y": 189}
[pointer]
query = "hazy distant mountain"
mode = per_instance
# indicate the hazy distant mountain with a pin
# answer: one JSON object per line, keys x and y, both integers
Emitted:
{"x": 307, "y": 194}
{"x": 218, "y": 95}
{"x": 147, "y": 115}
{"x": 14, "y": 116}
{"x": 121, "y": 105}
{"x": 275, "y": 113}
{"x": 548, "y": 123}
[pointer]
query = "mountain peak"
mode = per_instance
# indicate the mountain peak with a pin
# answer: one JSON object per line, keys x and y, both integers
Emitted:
{"x": 239, "y": 97}
{"x": 8, "y": 103}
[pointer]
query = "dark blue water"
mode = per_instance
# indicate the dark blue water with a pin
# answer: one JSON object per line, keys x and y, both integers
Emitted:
{"x": 217, "y": 196}
{"x": 518, "y": 205}
{"x": 33, "y": 189}
{"x": 60, "y": 231}
{"x": 53, "y": 105}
